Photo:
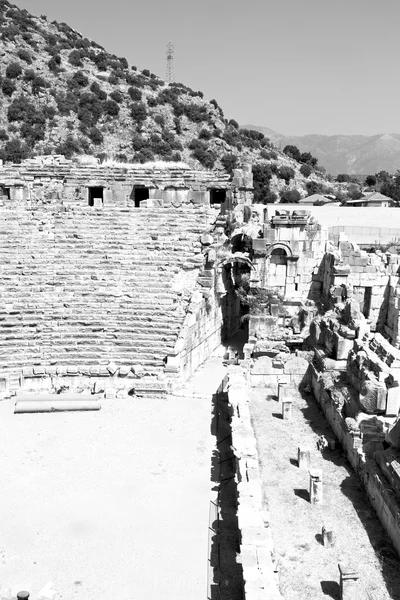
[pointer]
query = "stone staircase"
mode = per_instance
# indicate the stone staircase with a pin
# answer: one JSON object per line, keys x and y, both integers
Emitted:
{"x": 89, "y": 286}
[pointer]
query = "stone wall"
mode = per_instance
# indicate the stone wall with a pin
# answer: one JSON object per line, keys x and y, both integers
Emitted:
{"x": 256, "y": 547}
{"x": 381, "y": 493}
{"x": 269, "y": 372}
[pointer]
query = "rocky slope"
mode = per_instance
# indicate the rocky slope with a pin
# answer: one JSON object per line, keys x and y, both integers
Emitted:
{"x": 63, "y": 93}
{"x": 353, "y": 154}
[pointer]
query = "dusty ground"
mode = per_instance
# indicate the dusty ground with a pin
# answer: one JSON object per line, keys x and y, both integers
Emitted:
{"x": 108, "y": 504}
{"x": 308, "y": 570}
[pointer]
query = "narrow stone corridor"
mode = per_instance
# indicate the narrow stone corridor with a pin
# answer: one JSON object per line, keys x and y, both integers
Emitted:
{"x": 308, "y": 569}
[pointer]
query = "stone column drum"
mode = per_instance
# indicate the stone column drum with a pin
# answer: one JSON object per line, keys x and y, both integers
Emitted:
{"x": 316, "y": 495}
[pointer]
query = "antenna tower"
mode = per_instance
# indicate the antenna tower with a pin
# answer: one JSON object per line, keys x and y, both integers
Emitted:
{"x": 170, "y": 62}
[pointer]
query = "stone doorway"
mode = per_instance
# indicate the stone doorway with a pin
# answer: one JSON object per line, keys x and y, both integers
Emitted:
{"x": 139, "y": 193}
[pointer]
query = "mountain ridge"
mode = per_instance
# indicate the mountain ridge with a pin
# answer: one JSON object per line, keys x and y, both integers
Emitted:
{"x": 341, "y": 153}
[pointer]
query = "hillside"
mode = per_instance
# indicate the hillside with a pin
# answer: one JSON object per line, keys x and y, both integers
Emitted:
{"x": 63, "y": 93}
{"x": 352, "y": 154}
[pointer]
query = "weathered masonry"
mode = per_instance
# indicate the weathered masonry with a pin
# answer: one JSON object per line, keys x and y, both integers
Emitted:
{"x": 103, "y": 273}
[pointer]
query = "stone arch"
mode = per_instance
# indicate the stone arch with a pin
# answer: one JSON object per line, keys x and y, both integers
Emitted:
{"x": 280, "y": 246}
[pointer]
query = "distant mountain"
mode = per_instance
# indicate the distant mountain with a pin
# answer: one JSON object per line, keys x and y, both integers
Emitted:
{"x": 353, "y": 154}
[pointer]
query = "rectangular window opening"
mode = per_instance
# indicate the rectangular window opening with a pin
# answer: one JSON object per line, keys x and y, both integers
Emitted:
{"x": 96, "y": 196}
{"x": 5, "y": 192}
{"x": 217, "y": 196}
{"x": 139, "y": 193}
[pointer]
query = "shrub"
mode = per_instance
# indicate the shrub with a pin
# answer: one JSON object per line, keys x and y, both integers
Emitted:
{"x": 8, "y": 87}
{"x": 286, "y": 173}
{"x": 38, "y": 84}
{"x": 13, "y": 70}
{"x": 306, "y": 170}
{"x": 290, "y": 196}
{"x": 138, "y": 112}
{"x": 96, "y": 136}
{"x": 70, "y": 147}
{"x": 135, "y": 94}
{"x": 97, "y": 91}
{"x": 159, "y": 119}
{"x": 176, "y": 157}
{"x": 116, "y": 96}
{"x": 137, "y": 142}
{"x": 14, "y": 151}
{"x": 25, "y": 56}
{"x": 54, "y": 63}
{"x": 82, "y": 43}
{"x": 292, "y": 151}
{"x": 205, "y": 134}
{"x": 29, "y": 75}
{"x": 113, "y": 80}
{"x": 3, "y": 135}
{"x": 146, "y": 72}
{"x": 144, "y": 155}
{"x": 229, "y": 162}
{"x": 20, "y": 109}
{"x": 264, "y": 154}
{"x": 75, "y": 58}
{"x": 233, "y": 123}
{"x": 313, "y": 187}
{"x": 201, "y": 152}
{"x": 111, "y": 108}
{"x": 178, "y": 127}
{"x": 80, "y": 79}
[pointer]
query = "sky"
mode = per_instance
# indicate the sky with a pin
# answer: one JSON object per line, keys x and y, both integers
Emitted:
{"x": 295, "y": 66}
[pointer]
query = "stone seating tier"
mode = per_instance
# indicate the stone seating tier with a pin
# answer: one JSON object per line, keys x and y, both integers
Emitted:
{"x": 84, "y": 287}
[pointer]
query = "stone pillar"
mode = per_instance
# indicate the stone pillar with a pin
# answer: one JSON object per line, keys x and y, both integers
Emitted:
{"x": 287, "y": 410}
{"x": 316, "y": 495}
{"x": 23, "y": 595}
{"x": 348, "y": 582}
{"x": 303, "y": 458}
{"x": 328, "y": 536}
{"x": 281, "y": 390}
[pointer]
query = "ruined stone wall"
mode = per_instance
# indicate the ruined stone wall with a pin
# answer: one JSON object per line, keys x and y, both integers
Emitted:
{"x": 253, "y": 518}
{"x": 379, "y": 489}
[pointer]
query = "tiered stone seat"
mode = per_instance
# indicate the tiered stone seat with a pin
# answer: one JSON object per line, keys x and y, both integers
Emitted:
{"x": 85, "y": 286}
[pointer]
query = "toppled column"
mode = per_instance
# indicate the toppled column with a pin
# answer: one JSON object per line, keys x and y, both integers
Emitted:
{"x": 316, "y": 495}
{"x": 328, "y": 536}
{"x": 348, "y": 582}
{"x": 303, "y": 457}
{"x": 287, "y": 410}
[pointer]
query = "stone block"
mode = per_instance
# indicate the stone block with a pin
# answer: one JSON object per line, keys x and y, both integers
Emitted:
{"x": 287, "y": 406}
{"x": 349, "y": 577}
{"x": 393, "y": 402}
{"x": 303, "y": 457}
{"x": 296, "y": 366}
{"x": 328, "y": 536}
{"x": 112, "y": 368}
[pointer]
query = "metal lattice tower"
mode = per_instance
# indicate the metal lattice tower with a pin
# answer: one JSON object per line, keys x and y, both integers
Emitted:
{"x": 170, "y": 78}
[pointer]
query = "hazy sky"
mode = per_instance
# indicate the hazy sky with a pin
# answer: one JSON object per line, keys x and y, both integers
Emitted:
{"x": 296, "y": 66}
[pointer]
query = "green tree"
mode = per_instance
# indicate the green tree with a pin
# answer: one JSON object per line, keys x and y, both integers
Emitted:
{"x": 293, "y": 152}
{"x": 370, "y": 180}
{"x": 290, "y": 196}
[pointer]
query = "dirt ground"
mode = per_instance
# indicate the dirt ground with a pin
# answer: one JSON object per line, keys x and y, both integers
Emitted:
{"x": 109, "y": 504}
{"x": 307, "y": 569}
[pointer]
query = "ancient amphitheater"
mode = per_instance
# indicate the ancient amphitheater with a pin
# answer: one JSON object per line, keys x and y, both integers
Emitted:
{"x": 199, "y": 394}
